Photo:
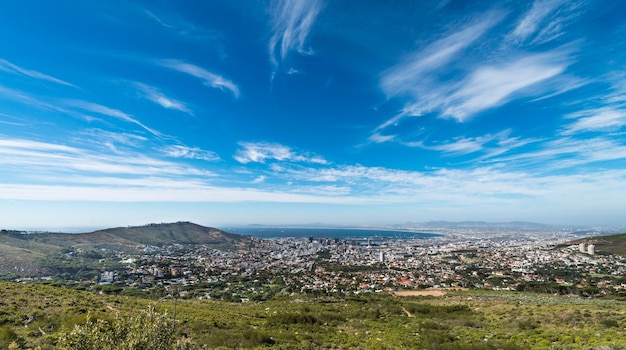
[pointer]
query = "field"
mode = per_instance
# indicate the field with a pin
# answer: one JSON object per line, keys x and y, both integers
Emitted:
{"x": 35, "y": 315}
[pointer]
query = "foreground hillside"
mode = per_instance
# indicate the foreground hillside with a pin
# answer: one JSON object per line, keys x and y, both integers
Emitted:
{"x": 35, "y": 315}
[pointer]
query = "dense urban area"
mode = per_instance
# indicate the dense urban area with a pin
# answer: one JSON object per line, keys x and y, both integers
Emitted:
{"x": 263, "y": 268}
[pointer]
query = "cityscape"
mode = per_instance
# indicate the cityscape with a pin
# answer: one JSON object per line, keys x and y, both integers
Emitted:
{"x": 261, "y": 268}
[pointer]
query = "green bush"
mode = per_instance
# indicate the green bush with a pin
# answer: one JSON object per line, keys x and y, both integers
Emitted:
{"x": 293, "y": 318}
{"x": 609, "y": 323}
{"x": 147, "y": 330}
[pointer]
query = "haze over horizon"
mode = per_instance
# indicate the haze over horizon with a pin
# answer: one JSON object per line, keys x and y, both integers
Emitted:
{"x": 286, "y": 112}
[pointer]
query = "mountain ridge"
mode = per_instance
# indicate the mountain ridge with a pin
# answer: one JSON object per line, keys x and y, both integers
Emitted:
{"x": 21, "y": 251}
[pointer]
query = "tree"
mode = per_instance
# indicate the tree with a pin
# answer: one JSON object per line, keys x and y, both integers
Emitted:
{"x": 147, "y": 330}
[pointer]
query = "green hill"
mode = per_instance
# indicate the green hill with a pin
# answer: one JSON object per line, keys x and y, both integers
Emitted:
{"x": 21, "y": 253}
{"x": 180, "y": 232}
{"x": 612, "y": 244}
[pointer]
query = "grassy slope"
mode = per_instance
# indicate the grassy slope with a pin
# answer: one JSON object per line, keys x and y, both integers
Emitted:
{"x": 18, "y": 253}
{"x": 480, "y": 320}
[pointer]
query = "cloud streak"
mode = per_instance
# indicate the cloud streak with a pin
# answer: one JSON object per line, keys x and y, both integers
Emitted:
{"x": 487, "y": 86}
{"x": 544, "y": 21}
{"x": 492, "y": 86}
{"x": 179, "y": 151}
{"x": 596, "y": 120}
{"x": 110, "y": 112}
{"x": 260, "y": 152}
{"x": 566, "y": 153}
{"x": 414, "y": 73}
{"x": 38, "y": 158}
{"x": 154, "y": 95}
{"x": 491, "y": 144}
{"x": 210, "y": 79}
{"x": 15, "y": 69}
{"x": 291, "y": 22}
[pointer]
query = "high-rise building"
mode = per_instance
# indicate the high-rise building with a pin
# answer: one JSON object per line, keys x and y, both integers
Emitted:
{"x": 591, "y": 249}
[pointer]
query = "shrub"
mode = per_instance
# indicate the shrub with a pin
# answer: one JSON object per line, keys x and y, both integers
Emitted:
{"x": 147, "y": 330}
{"x": 8, "y": 336}
{"x": 293, "y": 318}
{"x": 609, "y": 322}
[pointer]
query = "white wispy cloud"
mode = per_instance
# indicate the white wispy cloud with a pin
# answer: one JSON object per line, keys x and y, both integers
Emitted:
{"x": 36, "y": 157}
{"x": 291, "y": 22}
{"x": 111, "y": 139}
{"x": 594, "y": 120}
{"x": 545, "y": 21}
{"x": 183, "y": 28}
{"x": 437, "y": 81}
{"x": 179, "y": 151}
{"x": 415, "y": 73}
{"x": 456, "y": 190}
{"x": 608, "y": 113}
{"x": 159, "y": 194}
{"x": 111, "y": 112}
{"x": 28, "y": 99}
{"x": 11, "y": 123}
{"x": 157, "y": 19}
{"x": 209, "y": 78}
{"x": 491, "y": 86}
{"x": 259, "y": 179}
{"x": 16, "y": 120}
{"x": 153, "y": 94}
{"x": 566, "y": 153}
{"x": 484, "y": 87}
{"x": 379, "y": 138}
{"x": 259, "y": 152}
{"x": 529, "y": 23}
{"x": 15, "y": 69}
{"x": 490, "y": 143}
{"x": 55, "y": 172}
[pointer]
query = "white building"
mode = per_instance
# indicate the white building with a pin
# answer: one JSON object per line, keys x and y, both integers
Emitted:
{"x": 591, "y": 249}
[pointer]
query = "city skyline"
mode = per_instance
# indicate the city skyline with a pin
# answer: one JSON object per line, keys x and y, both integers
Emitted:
{"x": 293, "y": 112}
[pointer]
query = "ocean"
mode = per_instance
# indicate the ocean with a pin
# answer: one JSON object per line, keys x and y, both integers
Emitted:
{"x": 340, "y": 233}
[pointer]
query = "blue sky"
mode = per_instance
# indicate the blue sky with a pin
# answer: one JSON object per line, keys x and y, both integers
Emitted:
{"x": 293, "y": 112}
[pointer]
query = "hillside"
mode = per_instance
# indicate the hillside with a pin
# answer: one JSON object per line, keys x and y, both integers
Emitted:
{"x": 21, "y": 254}
{"x": 611, "y": 244}
{"x": 35, "y": 315}
{"x": 179, "y": 232}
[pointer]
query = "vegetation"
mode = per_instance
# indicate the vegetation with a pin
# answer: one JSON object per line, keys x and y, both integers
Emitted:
{"x": 146, "y": 330}
{"x": 50, "y": 317}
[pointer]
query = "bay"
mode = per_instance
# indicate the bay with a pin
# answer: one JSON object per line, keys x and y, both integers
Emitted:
{"x": 338, "y": 233}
